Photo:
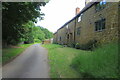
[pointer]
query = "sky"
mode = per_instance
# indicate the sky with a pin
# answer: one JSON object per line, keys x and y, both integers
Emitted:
{"x": 58, "y": 12}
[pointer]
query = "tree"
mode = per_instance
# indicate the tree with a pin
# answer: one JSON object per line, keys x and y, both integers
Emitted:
{"x": 27, "y": 32}
{"x": 41, "y": 33}
{"x": 14, "y": 15}
{"x": 33, "y": 33}
{"x": 38, "y": 33}
{"x": 47, "y": 33}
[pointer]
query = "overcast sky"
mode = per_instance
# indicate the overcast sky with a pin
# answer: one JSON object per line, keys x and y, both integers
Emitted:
{"x": 58, "y": 12}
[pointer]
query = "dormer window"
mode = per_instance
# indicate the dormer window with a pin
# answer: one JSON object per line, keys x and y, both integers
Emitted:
{"x": 104, "y": 2}
{"x": 100, "y": 5}
{"x": 67, "y": 26}
{"x": 80, "y": 18}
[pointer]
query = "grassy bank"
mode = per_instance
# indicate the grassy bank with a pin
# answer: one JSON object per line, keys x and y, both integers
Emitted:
{"x": 73, "y": 63}
{"x": 100, "y": 63}
{"x": 60, "y": 59}
{"x": 10, "y": 53}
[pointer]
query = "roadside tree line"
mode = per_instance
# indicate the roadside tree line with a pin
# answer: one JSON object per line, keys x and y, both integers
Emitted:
{"x": 18, "y": 20}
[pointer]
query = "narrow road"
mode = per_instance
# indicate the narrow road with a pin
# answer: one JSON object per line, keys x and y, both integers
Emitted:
{"x": 32, "y": 63}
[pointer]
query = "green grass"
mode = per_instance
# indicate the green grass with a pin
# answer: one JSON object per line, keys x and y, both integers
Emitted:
{"x": 101, "y": 63}
{"x": 60, "y": 59}
{"x": 73, "y": 63}
{"x": 10, "y": 53}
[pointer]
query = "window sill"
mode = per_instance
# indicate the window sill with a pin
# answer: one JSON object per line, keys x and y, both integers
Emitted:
{"x": 100, "y": 30}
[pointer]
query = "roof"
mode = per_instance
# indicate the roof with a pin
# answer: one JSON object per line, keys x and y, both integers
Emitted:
{"x": 83, "y": 10}
{"x": 55, "y": 33}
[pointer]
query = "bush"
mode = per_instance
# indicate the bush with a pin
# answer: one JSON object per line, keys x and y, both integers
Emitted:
{"x": 37, "y": 40}
{"x": 77, "y": 46}
{"x": 89, "y": 46}
{"x": 73, "y": 45}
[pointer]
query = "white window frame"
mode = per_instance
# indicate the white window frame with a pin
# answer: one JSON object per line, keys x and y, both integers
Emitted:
{"x": 80, "y": 18}
{"x": 67, "y": 26}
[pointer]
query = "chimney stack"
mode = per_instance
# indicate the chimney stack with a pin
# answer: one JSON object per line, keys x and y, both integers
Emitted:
{"x": 77, "y": 10}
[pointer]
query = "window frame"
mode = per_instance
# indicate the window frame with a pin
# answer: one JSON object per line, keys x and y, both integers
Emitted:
{"x": 60, "y": 38}
{"x": 80, "y": 18}
{"x": 67, "y": 26}
{"x": 78, "y": 30}
{"x": 100, "y": 25}
{"x": 100, "y": 5}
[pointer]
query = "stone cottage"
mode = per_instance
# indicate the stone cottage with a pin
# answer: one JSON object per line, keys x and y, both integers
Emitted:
{"x": 97, "y": 21}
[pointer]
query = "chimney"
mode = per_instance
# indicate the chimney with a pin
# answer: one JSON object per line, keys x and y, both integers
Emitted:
{"x": 77, "y": 10}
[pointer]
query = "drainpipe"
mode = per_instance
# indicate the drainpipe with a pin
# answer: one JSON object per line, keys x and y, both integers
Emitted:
{"x": 75, "y": 32}
{"x": 118, "y": 21}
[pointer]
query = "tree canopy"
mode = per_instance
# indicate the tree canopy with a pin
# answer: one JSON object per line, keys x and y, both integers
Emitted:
{"x": 18, "y": 20}
{"x": 35, "y": 33}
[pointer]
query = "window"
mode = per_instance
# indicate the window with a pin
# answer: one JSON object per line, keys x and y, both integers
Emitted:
{"x": 104, "y": 2}
{"x": 100, "y": 25}
{"x": 80, "y": 18}
{"x": 78, "y": 31}
{"x": 67, "y": 36}
{"x": 100, "y": 5}
{"x": 67, "y": 26}
{"x": 60, "y": 38}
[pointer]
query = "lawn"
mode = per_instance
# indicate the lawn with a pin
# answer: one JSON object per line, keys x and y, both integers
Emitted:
{"x": 60, "y": 59}
{"x": 10, "y": 53}
{"x": 68, "y": 62}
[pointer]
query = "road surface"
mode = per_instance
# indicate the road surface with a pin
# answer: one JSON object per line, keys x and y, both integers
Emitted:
{"x": 32, "y": 63}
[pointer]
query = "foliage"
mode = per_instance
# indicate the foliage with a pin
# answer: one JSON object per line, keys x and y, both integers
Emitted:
{"x": 37, "y": 33}
{"x": 27, "y": 32}
{"x": 47, "y": 33}
{"x": 100, "y": 63}
{"x": 37, "y": 41}
{"x": 14, "y": 15}
{"x": 88, "y": 46}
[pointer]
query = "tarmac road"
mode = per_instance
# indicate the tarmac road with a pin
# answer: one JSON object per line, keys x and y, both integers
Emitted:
{"x": 32, "y": 63}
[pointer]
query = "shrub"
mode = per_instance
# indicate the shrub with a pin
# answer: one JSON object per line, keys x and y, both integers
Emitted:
{"x": 37, "y": 40}
{"x": 72, "y": 45}
{"x": 77, "y": 46}
{"x": 88, "y": 46}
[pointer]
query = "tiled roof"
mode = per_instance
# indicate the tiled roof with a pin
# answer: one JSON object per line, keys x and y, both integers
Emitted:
{"x": 55, "y": 32}
{"x": 83, "y": 10}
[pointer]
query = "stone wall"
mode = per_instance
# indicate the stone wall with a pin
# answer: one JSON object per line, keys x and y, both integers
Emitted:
{"x": 87, "y": 24}
{"x": 55, "y": 38}
{"x": 70, "y": 33}
{"x": 111, "y": 13}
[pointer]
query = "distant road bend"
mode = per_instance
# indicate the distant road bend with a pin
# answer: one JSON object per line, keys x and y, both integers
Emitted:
{"x": 32, "y": 63}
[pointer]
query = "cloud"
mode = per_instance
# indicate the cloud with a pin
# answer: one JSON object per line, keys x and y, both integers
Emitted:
{"x": 58, "y": 12}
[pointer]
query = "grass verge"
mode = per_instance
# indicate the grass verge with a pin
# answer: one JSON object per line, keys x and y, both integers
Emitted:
{"x": 60, "y": 59}
{"x": 73, "y": 63}
{"x": 100, "y": 63}
{"x": 10, "y": 53}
